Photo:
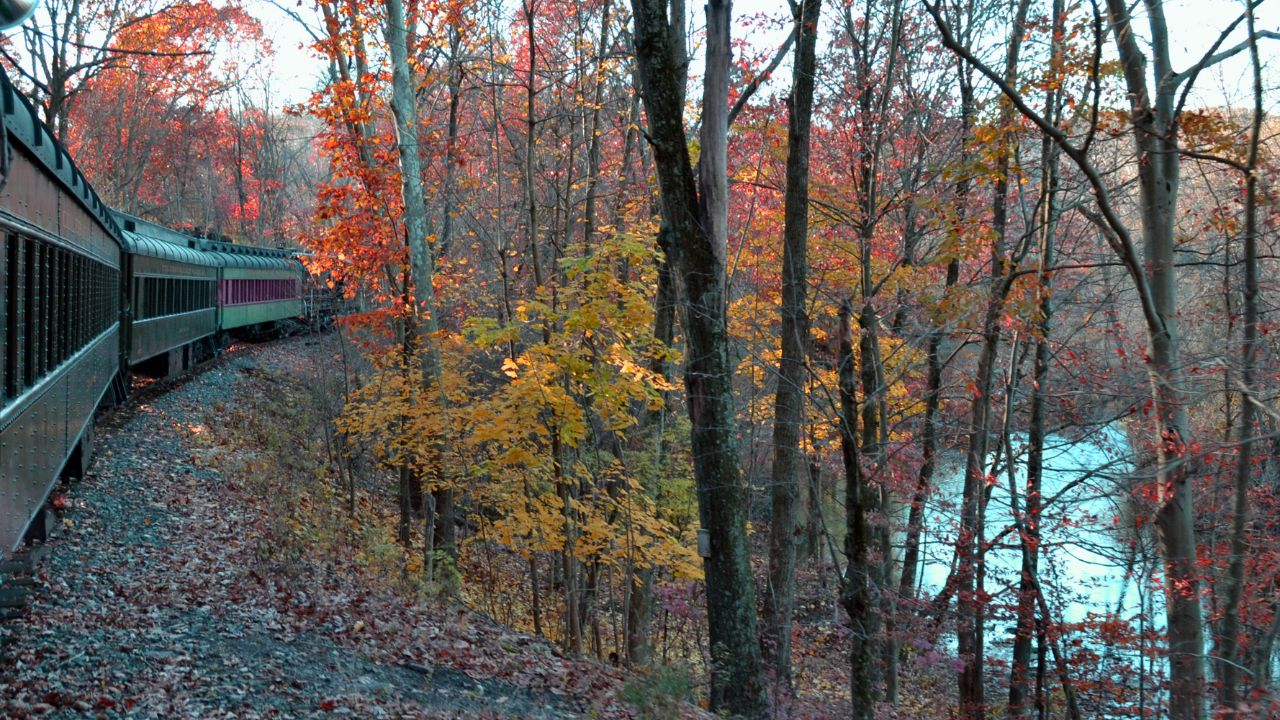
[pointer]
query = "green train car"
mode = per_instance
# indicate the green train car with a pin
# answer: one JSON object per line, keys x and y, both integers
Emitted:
{"x": 87, "y": 295}
{"x": 256, "y": 286}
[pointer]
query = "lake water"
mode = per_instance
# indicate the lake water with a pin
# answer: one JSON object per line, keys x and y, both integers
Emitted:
{"x": 1093, "y": 565}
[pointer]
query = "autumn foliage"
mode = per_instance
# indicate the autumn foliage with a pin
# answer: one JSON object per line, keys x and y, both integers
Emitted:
{"x": 979, "y": 305}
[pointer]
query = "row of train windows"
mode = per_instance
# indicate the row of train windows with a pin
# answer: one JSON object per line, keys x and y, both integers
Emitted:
{"x": 159, "y": 296}
{"x": 52, "y": 303}
{"x": 238, "y": 292}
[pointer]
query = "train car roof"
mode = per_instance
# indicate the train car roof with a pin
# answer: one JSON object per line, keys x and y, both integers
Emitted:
{"x": 152, "y": 240}
{"x": 26, "y": 129}
{"x": 139, "y": 244}
{"x": 252, "y": 256}
{"x": 235, "y": 260}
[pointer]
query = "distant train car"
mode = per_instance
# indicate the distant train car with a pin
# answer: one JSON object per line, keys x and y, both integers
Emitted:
{"x": 60, "y": 289}
{"x": 86, "y": 295}
{"x": 172, "y": 321}
{"x": 173, "y": 296}
{"x": 257, "y": 286}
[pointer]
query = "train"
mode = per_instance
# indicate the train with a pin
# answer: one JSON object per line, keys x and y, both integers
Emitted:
{"x": 89, "y": 295}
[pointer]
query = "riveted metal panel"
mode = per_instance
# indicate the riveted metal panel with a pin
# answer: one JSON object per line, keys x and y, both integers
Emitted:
{"x": 154, "y": 336}
{"x": 45, "y": 175}
{"x": 30, "y": 194}
{"x": 145, "y": 264}
{"x": 234, "y": 316}
{"x": 61, "y": 255}
{"x": 37, "y": 434}
{"x": 89, "y": 383}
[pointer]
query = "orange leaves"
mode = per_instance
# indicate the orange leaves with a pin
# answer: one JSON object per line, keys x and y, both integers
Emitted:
{"x": 171, "y": 104}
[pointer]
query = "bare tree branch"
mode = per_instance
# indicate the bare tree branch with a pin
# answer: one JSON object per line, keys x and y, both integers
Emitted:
{"x": 760, "y": 77}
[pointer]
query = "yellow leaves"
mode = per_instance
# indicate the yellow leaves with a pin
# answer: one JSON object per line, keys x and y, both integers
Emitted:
{"x": 510, "y": 368}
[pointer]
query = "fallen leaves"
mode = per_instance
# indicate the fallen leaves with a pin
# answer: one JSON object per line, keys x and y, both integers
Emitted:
{"x": 158, "y": 604}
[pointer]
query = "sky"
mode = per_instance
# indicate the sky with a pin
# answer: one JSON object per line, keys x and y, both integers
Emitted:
{"x": 295, "y": 70}
{"x": 1193, "y": 25}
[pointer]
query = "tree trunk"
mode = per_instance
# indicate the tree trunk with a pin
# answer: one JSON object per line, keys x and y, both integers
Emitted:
{"x": 1025, "y": 626}
{"x": 788, "y": 460}
{"x": 933, "y": 388}
{"x": 1158, "y": 166}
{"x": 971, "y": 618}
{"x": 421, "y": 259}
{"x": 697, "y": 224}
{"x": 641, "y": 605}
{"x": 856, "y": 593}
{"x": 1227, "y": 641}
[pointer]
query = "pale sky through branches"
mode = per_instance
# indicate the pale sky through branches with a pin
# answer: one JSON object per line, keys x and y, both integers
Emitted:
{"x": 1193, "y": 25}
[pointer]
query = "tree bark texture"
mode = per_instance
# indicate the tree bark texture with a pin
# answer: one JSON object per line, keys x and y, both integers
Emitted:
{"x": 1228, "y": 641}
{"x": 857, "y": 593}
{"x": 1158, "y": 163}
{"x": 971, "y": 618}
{"x": 421, "y": 260}
{"x": 789, "y": 463}
{"x": 1020, "y": 705}
{"x": 697, "y": 226}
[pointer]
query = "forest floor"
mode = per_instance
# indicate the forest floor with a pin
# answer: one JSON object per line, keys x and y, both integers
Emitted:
{"x": 164, "y": 594}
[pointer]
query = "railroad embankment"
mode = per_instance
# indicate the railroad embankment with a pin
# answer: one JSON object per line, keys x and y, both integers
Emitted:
{"x": 204, "y": 570}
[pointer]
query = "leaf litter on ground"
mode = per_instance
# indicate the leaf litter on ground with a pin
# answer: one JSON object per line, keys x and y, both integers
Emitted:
{"x": 156, "y": 603}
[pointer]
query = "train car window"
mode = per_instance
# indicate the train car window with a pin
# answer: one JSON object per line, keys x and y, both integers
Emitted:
{"x": 69, "y": 306}
{"x": 12, "y": 360}
{"x": 69, "y": 314}
{"x": 104, "y": 291}
{"x": 83, "y": 310}
{"x": 51, "y": 305}
{"x": 29, "y": 312}
{"x": 53, "y": 346}
{"x": 48, "y": 333}
{"x": 40, "y": 291}
{"x": 75, "y": 336}
{"x": 62, "y": 291}
{"x": 53, "y": 293}
{"x": 46, "y": 308}
{"x": 4, "y": 318}
{"x": 86, "y": 291}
